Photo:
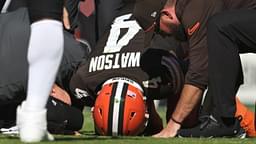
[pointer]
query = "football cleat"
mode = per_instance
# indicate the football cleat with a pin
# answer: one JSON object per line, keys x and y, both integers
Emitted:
{"x": 211, "y": 127}
{"x": 32, "y": 125}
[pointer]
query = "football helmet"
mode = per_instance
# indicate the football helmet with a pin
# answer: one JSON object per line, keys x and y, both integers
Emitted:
{"x": 120, "y": 108}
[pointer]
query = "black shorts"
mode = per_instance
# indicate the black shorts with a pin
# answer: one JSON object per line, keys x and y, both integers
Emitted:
{"x": 50, "y": 9}
{"x": 62, "y": 118}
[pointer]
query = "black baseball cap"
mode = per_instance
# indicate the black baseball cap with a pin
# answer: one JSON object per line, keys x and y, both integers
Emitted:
{"x": 146, "y": 12}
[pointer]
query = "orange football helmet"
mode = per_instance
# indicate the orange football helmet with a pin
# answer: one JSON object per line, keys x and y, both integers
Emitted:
{"x": 120, "y": 108}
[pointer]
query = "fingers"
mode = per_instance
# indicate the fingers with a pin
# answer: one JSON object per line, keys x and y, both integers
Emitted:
{"x": 162, "y": 134}
{"x": 165, "y": 133}
{"x": 66, "y": 19}
{"x": 60, "y": 94}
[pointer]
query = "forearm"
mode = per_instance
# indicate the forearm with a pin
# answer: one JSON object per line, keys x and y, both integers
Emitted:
{"x": 190, "y": 97}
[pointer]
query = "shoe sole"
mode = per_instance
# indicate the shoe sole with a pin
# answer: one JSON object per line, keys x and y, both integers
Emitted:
{"x": 240, "y": 136}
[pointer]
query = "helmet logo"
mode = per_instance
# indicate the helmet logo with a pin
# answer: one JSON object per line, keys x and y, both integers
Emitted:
{"x": 131, "y": 94}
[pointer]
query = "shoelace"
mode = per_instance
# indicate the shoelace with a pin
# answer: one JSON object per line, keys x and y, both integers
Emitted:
{"x": 205, "y": 120}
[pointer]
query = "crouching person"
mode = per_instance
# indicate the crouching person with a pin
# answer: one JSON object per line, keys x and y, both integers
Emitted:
{"x": 125, "y": 73}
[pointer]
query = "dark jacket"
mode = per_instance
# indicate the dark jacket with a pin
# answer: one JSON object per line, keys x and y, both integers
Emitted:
{"x": 14, "y": 37}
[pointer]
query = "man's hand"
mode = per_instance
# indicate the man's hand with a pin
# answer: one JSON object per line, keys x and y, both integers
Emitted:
{"x": 60, "y": 94}
{"x": 65, "y": 19}
{"x": 189, "y": 99}
{"x": 170, "y": 130}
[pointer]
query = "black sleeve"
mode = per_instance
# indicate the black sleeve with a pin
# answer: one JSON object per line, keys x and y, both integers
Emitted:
{"x": 73, "y": 55}
{"x": 13, "y": 50}
{"x": 12, "y": 93}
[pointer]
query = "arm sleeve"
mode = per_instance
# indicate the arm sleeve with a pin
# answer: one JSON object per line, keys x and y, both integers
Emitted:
{"x": 12, "y": 93}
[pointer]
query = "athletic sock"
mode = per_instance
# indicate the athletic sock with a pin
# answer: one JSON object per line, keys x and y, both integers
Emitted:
{"x": 44, "y": 56}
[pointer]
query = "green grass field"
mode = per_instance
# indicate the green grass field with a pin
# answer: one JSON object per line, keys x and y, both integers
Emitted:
{"x": 88, "y": 137}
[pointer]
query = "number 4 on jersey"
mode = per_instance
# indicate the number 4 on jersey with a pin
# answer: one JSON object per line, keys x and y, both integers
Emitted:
{"x": 122, "y": 22}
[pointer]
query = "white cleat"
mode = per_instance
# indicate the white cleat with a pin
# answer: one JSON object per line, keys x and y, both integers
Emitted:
{"x": 32, "y": 125}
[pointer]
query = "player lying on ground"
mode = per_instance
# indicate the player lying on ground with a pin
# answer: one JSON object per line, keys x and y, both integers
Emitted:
{"x": 118, "y": 60}
{"x": 121, "y": 59}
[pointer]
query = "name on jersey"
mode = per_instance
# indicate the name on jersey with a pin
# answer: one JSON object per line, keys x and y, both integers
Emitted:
{"x": 115, "y": 61}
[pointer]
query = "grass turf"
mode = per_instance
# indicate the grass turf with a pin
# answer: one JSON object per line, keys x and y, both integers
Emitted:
{"x": 88, "y": 137}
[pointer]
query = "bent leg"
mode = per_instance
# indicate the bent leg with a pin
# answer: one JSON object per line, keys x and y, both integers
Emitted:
{"x": 229, "y": 34}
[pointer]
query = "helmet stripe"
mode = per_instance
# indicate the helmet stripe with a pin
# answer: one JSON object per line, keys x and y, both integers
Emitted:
{"x": 121, "y": 108}
{"x": 117, "y": 101}
{"x": 111, "y": 106}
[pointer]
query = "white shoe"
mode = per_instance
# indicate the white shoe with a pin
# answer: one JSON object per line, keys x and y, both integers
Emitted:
{"x": 32, "y": 125}
{"x": 12, "y": 131}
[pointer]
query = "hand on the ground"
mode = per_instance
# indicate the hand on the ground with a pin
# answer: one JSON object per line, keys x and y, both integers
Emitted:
{"x": 168, "y": 132}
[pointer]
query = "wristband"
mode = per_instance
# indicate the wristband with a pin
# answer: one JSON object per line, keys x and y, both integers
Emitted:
{"x": 175, "y": 121}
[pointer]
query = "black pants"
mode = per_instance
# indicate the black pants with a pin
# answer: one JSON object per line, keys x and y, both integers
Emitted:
{"x": 229, "y": 34}
{"x": 106, "y": 11}
{"x": 41, "y": 9}
{"x": 93, "y": 27}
